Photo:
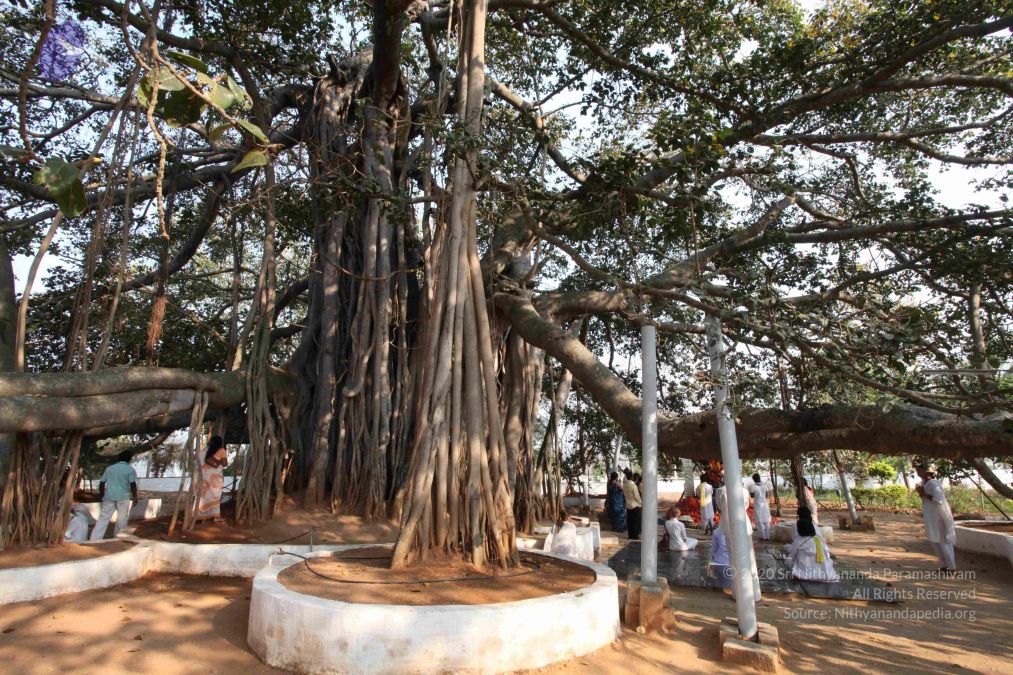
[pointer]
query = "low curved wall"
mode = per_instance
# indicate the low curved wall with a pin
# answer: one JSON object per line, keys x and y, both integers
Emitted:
{"x": 784, "y": 531}
{"x": 308, "y": 634}
{"x": 984, "y": 541}
{"x": 224, "y": 560}
{"x": 22, "y": 584}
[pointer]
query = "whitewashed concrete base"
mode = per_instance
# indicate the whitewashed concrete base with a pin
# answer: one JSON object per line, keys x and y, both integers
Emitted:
{"x": 308, "y": 634}
{"x": 22, "y": 584}
{"x": 984, "y": 541}
{"x": 784, "y": 530}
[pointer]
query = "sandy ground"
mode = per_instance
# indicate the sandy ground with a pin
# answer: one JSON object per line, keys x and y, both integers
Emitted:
{"x": 292, "y": 524}
{"x": 538, "y": 578}
{"x": 198, "y": 625}
{"x": 27, "y": 557}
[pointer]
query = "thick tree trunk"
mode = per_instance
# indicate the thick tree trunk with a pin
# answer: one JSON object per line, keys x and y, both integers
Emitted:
{"x": 798, "y": 479}
{"x": 356, "y": 381}
{"x": 522, "y": 388}
{"x": 8, "y": 334}
{"x": 773, "y": 482}
{"x": 989, "y": 477}
{"x": 459, "y": 458}
{"x": 902, "y": 430}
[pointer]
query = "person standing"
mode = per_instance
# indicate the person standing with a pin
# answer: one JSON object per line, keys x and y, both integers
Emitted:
{"x": 706, "y": 495}
{"x": 938, "y": 517}
{"x": 118, "y": 490}
{"x": 634, "y": 507}
{"x": 617, "y": 503}
{"x": 212, "y": 481}
{"x": 761, "y": 509}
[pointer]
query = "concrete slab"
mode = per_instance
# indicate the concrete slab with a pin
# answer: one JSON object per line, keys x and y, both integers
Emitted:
{"x": 762, "y": 653}
{"x": 692, "y": 568}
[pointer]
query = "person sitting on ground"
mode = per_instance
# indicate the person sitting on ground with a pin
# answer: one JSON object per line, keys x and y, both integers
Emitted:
{"x": 564, "y": 536}
{"x": 118, "y": 491}
{"x": 720, "y": 564}
{"x": 808, "y": 556}
{"x": 212, "y": 481}
{"x": 675, "y": 532}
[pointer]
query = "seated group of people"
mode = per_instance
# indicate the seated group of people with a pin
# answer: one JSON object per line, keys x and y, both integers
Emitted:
{"x": 807, "y": 556}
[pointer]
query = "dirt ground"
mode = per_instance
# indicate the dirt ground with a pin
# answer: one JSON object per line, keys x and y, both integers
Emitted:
{"x": 540, "y": 577}
{"x": 28, "y": 557}
{"x": 198, "y": 625}
{"x": 292, "y": 524}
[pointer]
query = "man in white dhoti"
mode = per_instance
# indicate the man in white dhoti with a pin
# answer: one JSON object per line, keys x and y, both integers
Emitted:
{"x": 721, "y": 501}
{"x": 675, "y": 532}
{"x": 761, "y": 509}
{"x": 564, "y": 536}
{"x": 706, "y": 494}
{"x": 808, "y": 556}
{"x": 938, "y": 517}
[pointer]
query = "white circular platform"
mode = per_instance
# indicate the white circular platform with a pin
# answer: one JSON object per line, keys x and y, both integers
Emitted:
{"x": 989, "y": 542}
{"x": 305, "y": 633}
{"x": 784, "y": 531}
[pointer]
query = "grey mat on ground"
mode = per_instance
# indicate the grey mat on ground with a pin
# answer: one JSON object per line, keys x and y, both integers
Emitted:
{"x": 691, "y": 568}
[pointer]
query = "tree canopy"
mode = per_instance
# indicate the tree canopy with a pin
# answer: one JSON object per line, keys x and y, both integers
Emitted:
{"x": 240, "y": 185}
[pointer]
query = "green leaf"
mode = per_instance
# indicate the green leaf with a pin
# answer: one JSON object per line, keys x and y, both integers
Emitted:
{"x": 182, "y": 108}
{"x": 222, "y": 96}
{"x": 219, "y": 131}
{"x": 144, "y": 92}
{"x": 73, "y": 201}
{"x": 236, "y": 90}
{"x": 63, "y": 180}
{"x": 251, "y": 159}
{"x": 253, "y": 130}
{"x": 187, "y": 60}
{"x": 168, "y": 81}
{"x": 56, "y": 174}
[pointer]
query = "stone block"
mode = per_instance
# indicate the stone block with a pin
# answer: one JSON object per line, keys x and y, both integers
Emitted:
{"x": 653, "y": 611}
{"x": 864, "y": 524}
{"x": 752, "y": 654}
{"x": 761, "y": 653}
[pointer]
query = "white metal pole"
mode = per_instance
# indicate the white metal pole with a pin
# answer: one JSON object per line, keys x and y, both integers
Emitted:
{"x": 745, "y": 602}
{"x": 649, "y": 433}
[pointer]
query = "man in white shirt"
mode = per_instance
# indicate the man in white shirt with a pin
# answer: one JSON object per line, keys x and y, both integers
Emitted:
{"x": 634, "y": 506}
{"x": 938, "y": 517}
{"x": 675, "y": 532}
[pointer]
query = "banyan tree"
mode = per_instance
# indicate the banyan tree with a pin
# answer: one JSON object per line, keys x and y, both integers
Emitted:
{"x": 380, "y": 242}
